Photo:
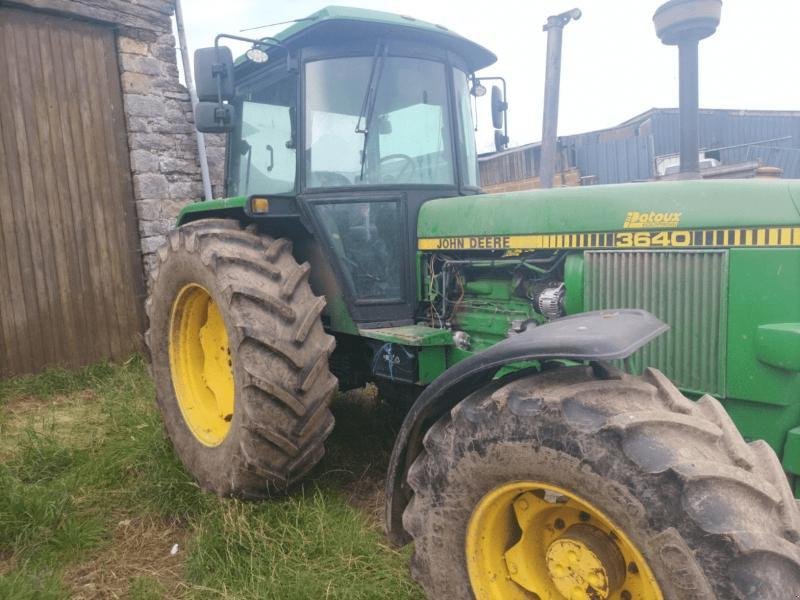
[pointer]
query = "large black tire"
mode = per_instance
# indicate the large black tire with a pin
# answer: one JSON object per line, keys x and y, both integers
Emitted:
{"x": 712, "y": 515}
{"x": 279, "y": 353}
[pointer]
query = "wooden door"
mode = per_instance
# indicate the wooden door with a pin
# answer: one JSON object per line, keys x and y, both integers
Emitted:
{"x": 70, "y": 270}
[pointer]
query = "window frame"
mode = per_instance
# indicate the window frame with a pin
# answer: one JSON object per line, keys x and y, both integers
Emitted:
{"x": 261, "y": 79}
{"x": 449, "y": 108}
{"x": 461, "y": 143}
{"x": 344, "y": 275}
{"x": 395, "y": 48}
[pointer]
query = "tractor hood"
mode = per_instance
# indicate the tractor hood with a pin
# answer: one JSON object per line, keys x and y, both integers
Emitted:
{"x": 677, "y": 205}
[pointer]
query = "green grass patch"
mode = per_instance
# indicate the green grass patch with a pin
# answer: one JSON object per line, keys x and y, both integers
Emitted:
{"x": 57, "y": 382}
{"x": 32, "y": 584}
{"x": 93, "y": 497}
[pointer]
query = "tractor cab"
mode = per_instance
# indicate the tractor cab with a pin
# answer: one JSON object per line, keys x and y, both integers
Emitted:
{"x": 355, "y": 118}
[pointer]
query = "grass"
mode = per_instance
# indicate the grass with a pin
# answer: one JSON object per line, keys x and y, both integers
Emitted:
{"x": 93, "y": 501}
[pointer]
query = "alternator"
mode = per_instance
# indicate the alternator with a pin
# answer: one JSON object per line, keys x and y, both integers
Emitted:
{"x": 550, "y": 302}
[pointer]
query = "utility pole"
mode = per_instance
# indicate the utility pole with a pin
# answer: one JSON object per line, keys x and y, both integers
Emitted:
{"x": 552, "y": 82}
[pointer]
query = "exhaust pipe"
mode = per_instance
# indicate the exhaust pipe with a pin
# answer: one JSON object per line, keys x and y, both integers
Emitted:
{"x": 552, "y": 82}
{"x": 684, "y": 23}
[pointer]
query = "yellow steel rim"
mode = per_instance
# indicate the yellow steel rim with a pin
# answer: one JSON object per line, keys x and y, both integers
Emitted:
{"x": 536, "y": 541}
{"x": 200, "y": 363}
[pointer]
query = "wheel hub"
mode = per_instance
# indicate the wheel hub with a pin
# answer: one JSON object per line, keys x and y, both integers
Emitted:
{"x": 584, "y": 564}
{"x": 200, "y": 363}
{"x": 533, "y": 538}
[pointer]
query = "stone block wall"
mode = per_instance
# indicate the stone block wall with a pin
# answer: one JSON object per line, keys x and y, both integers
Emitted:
{"x": 163, "y": 146}
{"x": 161, "y": 136}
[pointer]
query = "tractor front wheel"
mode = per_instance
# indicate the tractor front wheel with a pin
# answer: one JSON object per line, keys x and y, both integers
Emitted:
{"x": 239, "y": 358}
{"x": 589, "y": 484}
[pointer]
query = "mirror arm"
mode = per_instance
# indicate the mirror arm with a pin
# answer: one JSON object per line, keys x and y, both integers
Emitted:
{"x": 218, "y": 71}
{"x": 505, "y": 100}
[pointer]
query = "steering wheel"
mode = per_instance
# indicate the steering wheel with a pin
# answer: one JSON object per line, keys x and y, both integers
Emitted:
{"x": 409, "y": 165}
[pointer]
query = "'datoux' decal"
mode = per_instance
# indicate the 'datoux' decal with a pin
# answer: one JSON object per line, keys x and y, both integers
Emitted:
{"x": 755, "y": 237}
{"x": 646, "y": 220}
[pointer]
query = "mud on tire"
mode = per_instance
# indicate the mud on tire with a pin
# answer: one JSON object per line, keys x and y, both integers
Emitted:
{"x": 712, "y": 515}
{"x": 279, "y": 353}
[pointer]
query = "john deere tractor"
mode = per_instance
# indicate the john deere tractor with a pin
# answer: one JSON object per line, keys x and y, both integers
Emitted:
{"x": 602, "y": 383}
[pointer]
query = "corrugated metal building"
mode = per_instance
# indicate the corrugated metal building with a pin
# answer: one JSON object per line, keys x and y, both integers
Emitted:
{"x": 646, "y": 146}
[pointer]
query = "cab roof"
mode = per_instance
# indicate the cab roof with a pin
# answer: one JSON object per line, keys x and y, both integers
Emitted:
{"x": 339, "y": 23}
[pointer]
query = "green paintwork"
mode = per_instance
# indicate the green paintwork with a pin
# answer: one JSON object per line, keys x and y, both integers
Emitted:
{"x": 432, "y": 363}
{"x": 410, "y": 335}
{"x": 778, "y": 345}
{"x": 791, "y": 453}
{"x": 340, "y": 319}
{"x": 763, "y": 289}
{"x": 300, "y": 32}
{"x": 604, "y": 208}
{"x": 735, "y": 310}
{"x": 431, "y": 344}
{"x": 574, "y": 282}
{"x": 211, "y": 208}
{"x": 764, "y": 400}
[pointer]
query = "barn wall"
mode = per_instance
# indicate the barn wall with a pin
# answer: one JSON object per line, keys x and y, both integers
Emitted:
{"x": 161, "y": 138}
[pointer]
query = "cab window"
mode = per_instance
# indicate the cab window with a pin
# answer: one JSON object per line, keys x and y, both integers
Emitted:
{"x": 263, "y": 155}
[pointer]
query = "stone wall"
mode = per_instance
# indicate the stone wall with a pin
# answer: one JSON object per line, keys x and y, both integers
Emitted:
{"x": 161, "y": 136}
{"x": 163, "y": 147}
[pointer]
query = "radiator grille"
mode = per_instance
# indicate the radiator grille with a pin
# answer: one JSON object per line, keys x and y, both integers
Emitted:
{"x": 688, "y": 290}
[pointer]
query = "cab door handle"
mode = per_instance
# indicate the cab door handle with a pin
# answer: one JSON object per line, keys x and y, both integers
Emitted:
{"x": 271, "y": 157}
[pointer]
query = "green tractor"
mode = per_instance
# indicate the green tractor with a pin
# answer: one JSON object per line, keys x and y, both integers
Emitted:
{"x": 561, "y": 441}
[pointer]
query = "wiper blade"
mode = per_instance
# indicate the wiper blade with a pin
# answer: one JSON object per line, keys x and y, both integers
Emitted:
{"x": 368, "y": 104}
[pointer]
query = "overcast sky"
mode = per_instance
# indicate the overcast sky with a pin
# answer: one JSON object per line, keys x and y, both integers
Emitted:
{"x": 614, "y": 67}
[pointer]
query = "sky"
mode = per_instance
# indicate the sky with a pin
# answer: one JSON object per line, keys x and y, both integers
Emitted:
{"x": 613, "y": 65}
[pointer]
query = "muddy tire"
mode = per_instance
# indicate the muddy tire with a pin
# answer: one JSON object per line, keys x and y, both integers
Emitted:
{"x": 712, "y": 516}
{"x": 281, "y": 385}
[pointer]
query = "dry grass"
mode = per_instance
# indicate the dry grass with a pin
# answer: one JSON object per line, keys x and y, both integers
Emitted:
{"x": 140, "y": 550}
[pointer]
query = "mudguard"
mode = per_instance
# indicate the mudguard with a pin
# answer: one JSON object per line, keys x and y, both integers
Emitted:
{"x": 591, "y": 336}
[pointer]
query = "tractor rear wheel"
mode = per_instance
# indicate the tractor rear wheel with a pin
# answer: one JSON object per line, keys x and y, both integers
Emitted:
{"x": 239, "y": 358}
{"x": 581, "y": 483}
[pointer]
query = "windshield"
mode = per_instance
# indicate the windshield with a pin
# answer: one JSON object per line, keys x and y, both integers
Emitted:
{"x": 403, "y": 137}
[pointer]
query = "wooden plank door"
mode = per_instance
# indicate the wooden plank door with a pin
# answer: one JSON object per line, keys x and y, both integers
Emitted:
{"x": 70, "y": 269}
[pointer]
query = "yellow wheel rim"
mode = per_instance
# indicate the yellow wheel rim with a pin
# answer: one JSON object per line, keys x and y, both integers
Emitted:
{"x": 536, "y": 541}
{"x": 200, "y": 363}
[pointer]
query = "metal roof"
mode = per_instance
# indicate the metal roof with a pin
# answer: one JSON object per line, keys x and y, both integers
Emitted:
{"x": 627, "y": 151}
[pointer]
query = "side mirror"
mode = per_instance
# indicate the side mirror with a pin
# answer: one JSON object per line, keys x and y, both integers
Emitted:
{"x": 213, "y": 74}
{"x": 499, "y": 107}
{"x": 211, "y": 117}
{"x": 500, "y": 140}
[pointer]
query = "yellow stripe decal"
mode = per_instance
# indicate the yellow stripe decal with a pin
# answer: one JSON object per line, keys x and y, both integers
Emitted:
{"x": 754, "y": 237}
